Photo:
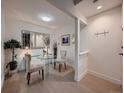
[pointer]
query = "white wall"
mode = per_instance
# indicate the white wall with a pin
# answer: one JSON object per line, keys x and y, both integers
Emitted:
{"x": 67, "y": 29}
{"x": 103, "y": 57}
{"x": 2, "y": 44}
{"x": 14, "y": 26}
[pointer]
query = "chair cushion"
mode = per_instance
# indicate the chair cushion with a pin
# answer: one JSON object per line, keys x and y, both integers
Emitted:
{"x": 36, "y": 64}
{"x": 35, "y": 69}
{"x": 60, "y": 60}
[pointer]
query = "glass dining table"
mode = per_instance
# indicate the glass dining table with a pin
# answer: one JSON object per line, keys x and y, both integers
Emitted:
{"x": 47, "y": 61}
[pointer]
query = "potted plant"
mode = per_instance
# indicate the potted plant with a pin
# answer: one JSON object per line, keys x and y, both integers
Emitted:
{"x": 12, "y": 44}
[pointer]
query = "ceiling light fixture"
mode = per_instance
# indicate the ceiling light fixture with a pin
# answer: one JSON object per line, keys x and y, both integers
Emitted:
{"x": 46, "y": 19}
{"x": 99, "y": 7}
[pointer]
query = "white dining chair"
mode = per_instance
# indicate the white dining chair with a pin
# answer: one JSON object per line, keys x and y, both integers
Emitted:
{"x": 32, "y": 68}
{"x": 62, "y": 60}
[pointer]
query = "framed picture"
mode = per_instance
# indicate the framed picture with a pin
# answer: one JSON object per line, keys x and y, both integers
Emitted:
{"x": 65, "y": 40}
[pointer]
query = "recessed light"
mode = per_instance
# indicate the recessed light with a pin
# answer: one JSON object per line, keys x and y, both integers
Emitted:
{"x": 99, "y": 7}
{"x": 46, "y": 19}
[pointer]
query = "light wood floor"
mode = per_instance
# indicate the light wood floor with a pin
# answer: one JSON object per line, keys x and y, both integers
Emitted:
{"x": 58, "y": 84}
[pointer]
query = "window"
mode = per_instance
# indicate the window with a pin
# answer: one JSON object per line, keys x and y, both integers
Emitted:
{"x": 26, "y": 40}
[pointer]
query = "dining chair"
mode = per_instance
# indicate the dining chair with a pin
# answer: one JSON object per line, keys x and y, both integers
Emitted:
{"x": 32, "y": 68}
{"x": 62, "y": 61}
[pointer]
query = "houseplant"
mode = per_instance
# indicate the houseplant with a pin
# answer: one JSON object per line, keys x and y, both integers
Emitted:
{"x": 12, "y": 44}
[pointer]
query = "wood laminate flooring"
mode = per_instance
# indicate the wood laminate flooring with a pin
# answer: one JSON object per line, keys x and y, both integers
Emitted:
{"x": 57, "y": 83}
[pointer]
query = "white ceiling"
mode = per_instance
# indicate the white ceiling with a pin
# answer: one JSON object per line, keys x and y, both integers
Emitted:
{"x": 88, "y": 8}
{"x": 31, "y": 10}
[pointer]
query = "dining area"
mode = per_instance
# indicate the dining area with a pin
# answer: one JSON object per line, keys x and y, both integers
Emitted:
{"x": 44, "y": 65}
{"x": 43, "y": 55}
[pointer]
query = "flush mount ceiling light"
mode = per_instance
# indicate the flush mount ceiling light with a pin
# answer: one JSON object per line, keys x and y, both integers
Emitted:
{"x": 46, "y": 19}
{"x": 99, "y": 7}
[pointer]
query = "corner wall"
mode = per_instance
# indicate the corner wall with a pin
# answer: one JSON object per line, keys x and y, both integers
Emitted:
{"x": 104, "y": 60}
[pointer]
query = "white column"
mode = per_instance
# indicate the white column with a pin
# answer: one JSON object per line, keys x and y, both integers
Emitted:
{"x": 77, "y": 47}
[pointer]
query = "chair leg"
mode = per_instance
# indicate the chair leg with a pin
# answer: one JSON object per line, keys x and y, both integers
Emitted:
{"x": 65, "y": 66}
{"x": 54, "y": 65}
{"x": 28, "y": 78}
{"x": 39, "y": 72}
{"x": 60, "y": 67}
{"x": 42, "y": 74}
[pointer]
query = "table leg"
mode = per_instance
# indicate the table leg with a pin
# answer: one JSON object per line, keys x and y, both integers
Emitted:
{"x": 54, "y": 65}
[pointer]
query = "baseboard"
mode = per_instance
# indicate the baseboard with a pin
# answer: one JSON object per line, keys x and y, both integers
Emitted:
{"x": 103, "y": 76}
{"x": 82, "y": 75}
{"x": 2, "y": 83}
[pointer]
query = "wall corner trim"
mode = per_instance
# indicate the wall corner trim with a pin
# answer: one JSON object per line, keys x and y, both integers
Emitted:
{"x": 2, "y": 83}
{"x": 81, "y": 76}
{"x": 105, "y": 77}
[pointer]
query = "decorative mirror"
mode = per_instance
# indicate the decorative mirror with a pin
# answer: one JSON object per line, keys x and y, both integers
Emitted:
{"x": 34, "y": 39}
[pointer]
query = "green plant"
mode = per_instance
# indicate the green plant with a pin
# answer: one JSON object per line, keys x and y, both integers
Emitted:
{"x": 12, "y": 44}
